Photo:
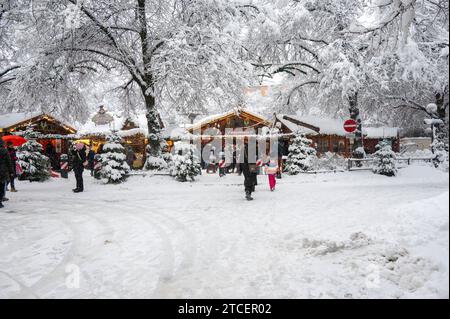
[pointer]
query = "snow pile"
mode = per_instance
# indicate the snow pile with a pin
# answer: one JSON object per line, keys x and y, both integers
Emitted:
{"x": 301, "y": 156}
{"x": 114, "y": 168}
{"x": 330, "y": 162}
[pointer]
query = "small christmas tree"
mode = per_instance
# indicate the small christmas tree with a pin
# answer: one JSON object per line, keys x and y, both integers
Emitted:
{"x": 185, "y": 164}
{"x": 114, "y": 168}
{"x": 35, "y": 165}
{"x": 301, "y": 155}
{"x": 384, "y": 157}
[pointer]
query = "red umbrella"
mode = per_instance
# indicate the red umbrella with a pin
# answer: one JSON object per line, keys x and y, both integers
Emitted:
{"x": 15, "y": 139}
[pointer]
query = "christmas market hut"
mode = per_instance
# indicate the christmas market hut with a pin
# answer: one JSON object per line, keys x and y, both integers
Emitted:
{"x": 328, "y": 134}
{"x": 53, "y": 133}
{"x": 230, "y": 124}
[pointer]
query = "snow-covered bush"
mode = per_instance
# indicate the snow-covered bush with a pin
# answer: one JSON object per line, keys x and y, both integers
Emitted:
{"x": 114, "y": 166}
{"x": 330, "y": 162}
{"x": 441, "y": 156}
{"x": 302, "y": 155}
{"x": 35, "y": 165}
{"x": 384, "y": 160}
{"x": 185, "y": 164}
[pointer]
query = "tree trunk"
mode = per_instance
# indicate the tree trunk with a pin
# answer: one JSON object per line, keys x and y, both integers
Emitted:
{"x": 153, "y": 124}
{"x": 442, "y": 129}
{"x": 440, "y": 144}
{"x": 355, "y": 115}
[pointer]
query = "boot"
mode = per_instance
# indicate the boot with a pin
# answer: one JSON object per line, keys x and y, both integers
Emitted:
{"x": 13, "y": 190}
{"x": 1, "y": 205}
{"x": 78, "y": 191}
{"x": 4, "y": 199}
{"x": 248, "y": 196}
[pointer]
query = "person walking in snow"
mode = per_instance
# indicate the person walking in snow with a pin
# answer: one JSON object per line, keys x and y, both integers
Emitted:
{"x": 91, "y": 159}
{"x": 6, "y": 170}
{"x": 13, "y": 157}
{"x": 271, "y": 168}
{"x": 222, "y": 163}
{"x": 250, "y": 172}
{"x": 131, "y": 157}
{"x": 78, "y": 163}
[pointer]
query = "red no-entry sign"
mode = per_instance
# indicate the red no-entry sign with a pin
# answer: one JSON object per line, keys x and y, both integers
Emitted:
{"x": 350, "y": 126}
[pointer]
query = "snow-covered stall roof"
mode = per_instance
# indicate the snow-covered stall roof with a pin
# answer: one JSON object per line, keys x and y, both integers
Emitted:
{"x": 215, "y": 117}
{"x": 12, "y": 119}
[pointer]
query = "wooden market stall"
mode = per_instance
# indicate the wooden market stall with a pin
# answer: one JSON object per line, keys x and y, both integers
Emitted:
{"x": 54, "y": 134}
{"x": 132, "y": 130}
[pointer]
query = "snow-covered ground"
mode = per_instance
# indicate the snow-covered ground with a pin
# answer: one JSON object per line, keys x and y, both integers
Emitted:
{"x": 344, "y": 235}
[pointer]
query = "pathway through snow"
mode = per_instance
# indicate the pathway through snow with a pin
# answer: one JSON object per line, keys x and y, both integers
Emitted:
{"x": 344, "y": 235}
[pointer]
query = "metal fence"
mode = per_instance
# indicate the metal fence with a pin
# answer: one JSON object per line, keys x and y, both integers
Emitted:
{"x": 366, "y": 164}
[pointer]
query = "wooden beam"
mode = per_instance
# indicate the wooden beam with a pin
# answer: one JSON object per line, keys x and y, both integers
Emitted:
{"x": 300, "y": 123}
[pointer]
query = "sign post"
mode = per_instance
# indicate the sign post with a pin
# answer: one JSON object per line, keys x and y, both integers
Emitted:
{"x": 350, "y": 126}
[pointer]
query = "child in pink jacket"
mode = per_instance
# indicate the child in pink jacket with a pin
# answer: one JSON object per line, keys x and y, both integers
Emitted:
{"x": 271, "y": 171}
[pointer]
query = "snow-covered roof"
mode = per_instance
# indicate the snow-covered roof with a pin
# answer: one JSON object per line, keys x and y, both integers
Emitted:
{"x": 332, "y": 126}
{"x": 327, "y": 126}
{"x": 215, "y": 117}
{"x": 11, "y": 119}
{"x": 380, "y": 132}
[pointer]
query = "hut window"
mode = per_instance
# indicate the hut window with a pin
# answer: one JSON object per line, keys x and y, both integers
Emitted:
{"x": 341, "y": 147}
{"x": 323, "y": 145}
{"x": 335, "y": 146}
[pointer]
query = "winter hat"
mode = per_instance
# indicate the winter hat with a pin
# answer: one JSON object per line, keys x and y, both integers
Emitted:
{"x": 79, "y": 146}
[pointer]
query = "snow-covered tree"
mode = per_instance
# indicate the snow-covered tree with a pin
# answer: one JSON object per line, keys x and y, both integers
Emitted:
{"x": 36, "y": 166}
{"x": 185, "y": 163}
{"x": 170, "y": 54}
{"x": 114, "y": 168}
{"x": 302, "y": 155}
{"x": 384, "y": 160}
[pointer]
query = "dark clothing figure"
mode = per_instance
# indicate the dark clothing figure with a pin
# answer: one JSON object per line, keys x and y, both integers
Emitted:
{"x": 51, "y": 154}
{"x": 131, "y": 157}
{"x": 13, "y": 157}
{"x": 78, "y": 159}
{"x": 250, "y": 172}
{"x": 91, "y": 161}
{"x": 5, "y": 170}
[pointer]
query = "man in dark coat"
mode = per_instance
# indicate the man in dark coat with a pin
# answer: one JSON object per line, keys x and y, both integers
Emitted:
{"x": 249, "y": 170}
{"x": 6, "y": 170}
{"x": 13, "y": 157}
{"x": 78, "y": 161}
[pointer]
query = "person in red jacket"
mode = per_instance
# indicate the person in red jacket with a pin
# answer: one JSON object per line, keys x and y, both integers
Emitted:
{"x": 13, "y": 157}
